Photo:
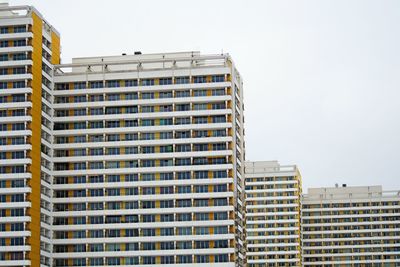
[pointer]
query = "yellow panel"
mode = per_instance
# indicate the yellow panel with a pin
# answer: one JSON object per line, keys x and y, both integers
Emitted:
{"x": 55, "y": 48}
{"x": 34, "y": 196}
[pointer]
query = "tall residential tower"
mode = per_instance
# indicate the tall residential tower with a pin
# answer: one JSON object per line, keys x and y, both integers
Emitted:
{"x": 28, "y": 48}
{"x": 148, "y": 161}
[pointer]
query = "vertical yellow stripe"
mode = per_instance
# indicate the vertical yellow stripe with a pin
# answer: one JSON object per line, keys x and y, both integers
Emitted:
{"x": 34, "y": 196}
{"x": 55, "y": 48}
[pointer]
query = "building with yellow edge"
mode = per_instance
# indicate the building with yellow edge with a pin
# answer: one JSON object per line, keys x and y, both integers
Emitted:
{"x": 29, "y": 46}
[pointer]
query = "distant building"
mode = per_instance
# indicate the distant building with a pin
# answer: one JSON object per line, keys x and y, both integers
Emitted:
{"x": 272, "y": 214}
{"x": 351, "y": 226}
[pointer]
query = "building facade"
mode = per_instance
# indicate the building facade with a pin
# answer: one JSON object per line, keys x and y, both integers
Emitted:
{"x": 272, "y": 214}
{"x": 351, "y": 226}
{"x": 29, "y": 46}
{"x": 148, "y": 161}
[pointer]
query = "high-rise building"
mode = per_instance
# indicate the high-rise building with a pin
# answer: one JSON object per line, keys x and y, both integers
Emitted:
{"x": 148, "y": 161}
{"x": 28, "y": 48}
{"x": 351, "y": 226}
{"x": 272, "y": 214}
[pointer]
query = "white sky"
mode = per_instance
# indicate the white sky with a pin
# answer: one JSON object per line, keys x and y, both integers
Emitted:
{"x": 322, "y": 78}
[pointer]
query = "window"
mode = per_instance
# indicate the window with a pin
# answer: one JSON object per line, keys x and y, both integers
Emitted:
{"x": 185, "y": 134}
{"x": 131, "y": 96}
{"x": 202, "y": 258}
{"x": 166, "y": 217}
{"x": 149, "y": 260}
{"x": 19, "y": 84}
{"x": 19, "y": 43}
{"x": 165, "y": 121}
{"x": 147, "y": 122}
{"x": 184, "y": 244}
{"x": 133, "y": 109}
{"x": 148, "y": 163}
{"x": 201, "y": 188}
{"x": 166, "y": 231}
{"x": 96, "y": 84}
{"x": 149, "y": 190}
{"x": 201, "y": 106}
{"x": 217, "y": 78}
{"x": 221, "y": 243}
{"x": 200, "y": 79}
{"x": 149, "y": 232}
{"x": 182, "y": 148}
{"x": 220, "y": 216}
{"x": 165, "y": 94}
{"x": 183, "y": 203}
{"x": 185, "y": 93}
{"x": 148, "y": 204}
{"x": 165, "y": 81}
{"x": 220, "y": 188}
{"x": 200, "y": 92}
{"x": 113, "y": 97}
{"x": 19, "y": 56}
{"x": 79, "y": 85}
{"x": 183, "y": 175}
{"x": 96, "y": 98}
{"x": 21, "y": 28}
{"x": 131, "y": 137}
{"x": 183, "y": 162}
{"x": 218, "y": 119}
{"x": 182, "y": 80}
{"x": 166, "y": 203}
{"x": 184, "y": 189}
{"x": 131, "y": 83}
{"x": 147, "y": 109}
{"x": 184, "y": 230}
{"x": 80, "y": 98}
{"x": 131, "y": 177}
{"x": 201, "y": 203}
{"x": 184, "y": 217}
{"x": 131, "y": 150}
{"x": 202, "y": 231}
{"x": 113, "y": 83}
{"x": 220, "y": 174}
{"x": 221, "y": 258}
{"x": 148, "y": 177}
{"x": 19, "y": 70}
{"x": 180, "y": 121}
{"x": 217, "y": 92}
{"x": 166, "y": 176}
{"x": 202, "y": 244}
{"x": 184, "y": 259}
{"x": 148, "y": 82}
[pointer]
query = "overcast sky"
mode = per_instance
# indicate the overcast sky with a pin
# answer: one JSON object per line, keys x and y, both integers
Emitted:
{"x": 322, "y": 78}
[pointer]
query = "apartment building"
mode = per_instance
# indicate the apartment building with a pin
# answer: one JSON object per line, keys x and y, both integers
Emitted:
{"x": 148, "y": 161}
{"x": 272, "y": 214}
{"x": 29, "y": 46}
{"x": 351, "y": 226}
